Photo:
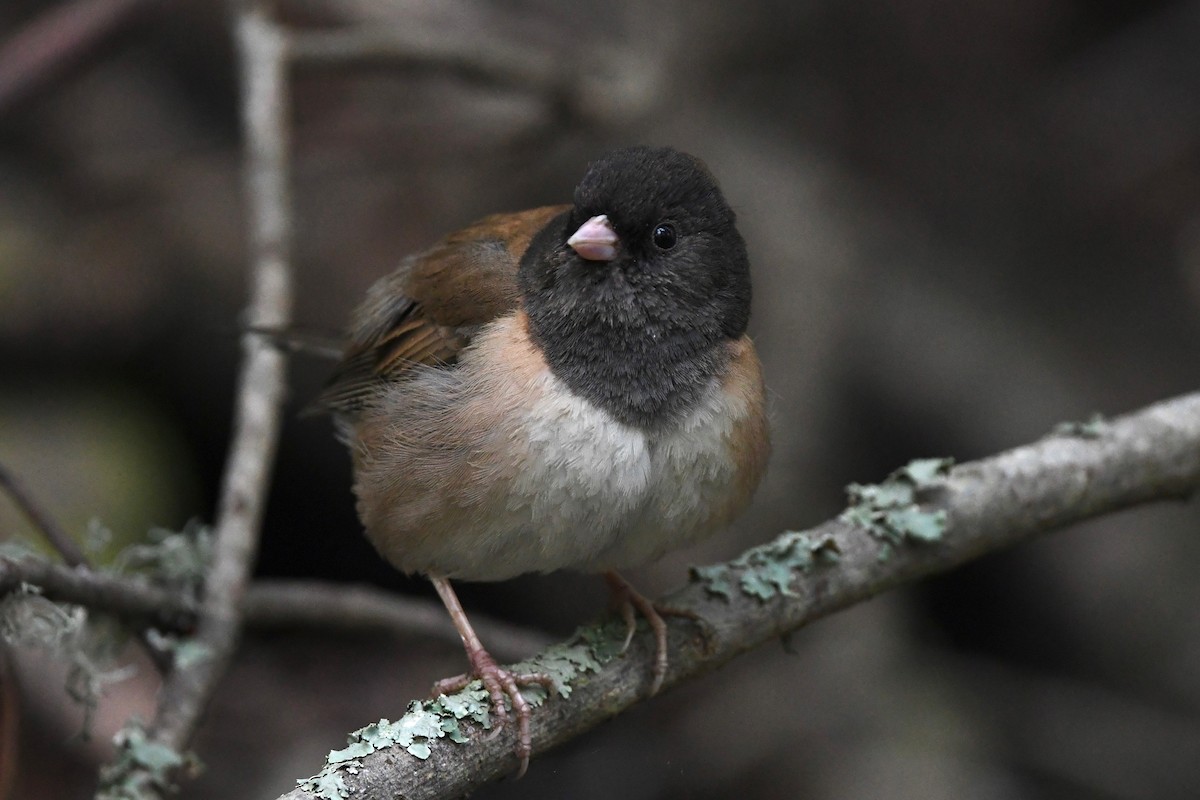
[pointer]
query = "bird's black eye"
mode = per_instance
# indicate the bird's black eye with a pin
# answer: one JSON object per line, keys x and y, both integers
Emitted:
{"x": 664, "y": 237}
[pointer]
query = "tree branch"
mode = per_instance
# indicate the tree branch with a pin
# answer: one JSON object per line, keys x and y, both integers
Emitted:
{"x": 262, "y": 385}
{"x": 1149, "y": 455}
{"x": 614, "y": 83}
{"x": 268, "y": 604}
{"x": 498, "y": 62}
{"x": 56, "y": 41}
{"x": 127, "y": 598}
{"x": 41, "y": 519}
{"x": 336, "y": 607}
{"x": 61, "y": 541}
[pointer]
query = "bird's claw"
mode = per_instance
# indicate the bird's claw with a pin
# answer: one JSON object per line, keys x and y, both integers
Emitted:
{"x": 502, "y": 684}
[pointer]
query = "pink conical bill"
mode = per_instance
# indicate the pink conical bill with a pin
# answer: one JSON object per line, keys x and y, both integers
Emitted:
{"x": 595, "y": 240}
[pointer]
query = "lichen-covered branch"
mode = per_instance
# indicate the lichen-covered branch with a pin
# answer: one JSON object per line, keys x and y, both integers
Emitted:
{"x": 957, "y": 514}
{"x": 125, "y": 597}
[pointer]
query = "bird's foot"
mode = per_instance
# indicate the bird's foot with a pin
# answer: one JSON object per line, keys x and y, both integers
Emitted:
{"x": 500, "y": 684}
{"x": 627, "y": 599}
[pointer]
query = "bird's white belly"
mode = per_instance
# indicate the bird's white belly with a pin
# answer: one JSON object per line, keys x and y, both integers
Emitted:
{"x": 593, "y": 493}
{"x": 583, "y": 475}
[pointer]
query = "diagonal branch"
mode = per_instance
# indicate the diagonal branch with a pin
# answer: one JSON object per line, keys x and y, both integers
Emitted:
{"x": 41, "y": 519}
{"x": 1153, "y": 454}
{"x": 56, "y": 41}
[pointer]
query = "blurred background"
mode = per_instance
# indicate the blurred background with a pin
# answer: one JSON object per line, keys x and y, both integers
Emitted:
{"x": 968, "y": 222}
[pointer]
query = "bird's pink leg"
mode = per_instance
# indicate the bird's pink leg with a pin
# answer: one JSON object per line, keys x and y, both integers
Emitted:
{"x": 499, "y": 682}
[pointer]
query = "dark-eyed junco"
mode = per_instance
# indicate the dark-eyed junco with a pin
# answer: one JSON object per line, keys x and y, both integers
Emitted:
{"x": 569, "y": 387}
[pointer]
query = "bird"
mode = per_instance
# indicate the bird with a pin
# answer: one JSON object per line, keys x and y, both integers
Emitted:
{"x": 569, "y": 387}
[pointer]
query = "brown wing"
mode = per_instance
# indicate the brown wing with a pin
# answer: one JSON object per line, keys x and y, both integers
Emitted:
{"x": 426, "y": 311}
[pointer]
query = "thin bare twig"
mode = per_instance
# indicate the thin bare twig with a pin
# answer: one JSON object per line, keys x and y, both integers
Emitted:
{"x": 497, "y": 62}
{"x": 262, "y": 383}
{"x": 268, "y": 604}
{"x": 611, "y": 85}
{"x": 56, "y": 41}
{"x": 336, "y": 607}
{"x": 1149, "y": 455}
{"x": 40, "y": 518}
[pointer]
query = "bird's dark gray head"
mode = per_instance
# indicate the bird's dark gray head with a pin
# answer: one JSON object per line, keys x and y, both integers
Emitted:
{"x": 634, "y": 316}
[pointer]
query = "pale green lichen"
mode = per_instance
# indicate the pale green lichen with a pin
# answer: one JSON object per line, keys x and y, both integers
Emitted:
{"x": 1091, "y": 428}
{"x": 177, "y": 559}
{"x": 429, "y": 720}
{"x": 88, "y": 644}
{"x": 91, "y": 643}
{"x": 329, "y": 785}
{"x": 142, "y": 769}
{"x": 769, "y": 569}
{"x": 17, "y": 550}
{"x": 891, "y": 511}
{"x": 184, "y": 651}
{"x": 587, "y": 651}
